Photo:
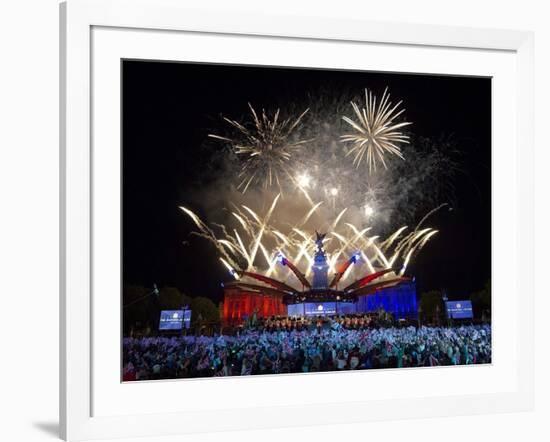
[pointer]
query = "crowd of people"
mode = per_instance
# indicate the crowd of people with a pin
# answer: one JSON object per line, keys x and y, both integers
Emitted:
{"x": 272, "y": 349}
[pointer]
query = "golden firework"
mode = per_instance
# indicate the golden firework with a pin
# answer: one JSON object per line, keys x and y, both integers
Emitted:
{"x": 376, "y": 131}
{"x": 257, "y": 243}
{"x": 266, "y": 148}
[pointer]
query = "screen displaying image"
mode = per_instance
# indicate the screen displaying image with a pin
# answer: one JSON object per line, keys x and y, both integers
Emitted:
{"x": 171, "y": 320}
{"x": 459, "y": 309}
{"x": 310, "y": 219}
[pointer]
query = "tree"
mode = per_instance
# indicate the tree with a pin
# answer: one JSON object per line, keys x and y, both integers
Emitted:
{"x": 138, "y": 307}
{"x": 481, "y": 301}
{"x": 431, "y": 305}
{"x": 204, "y": 309}
{"x": 170, "y": 298}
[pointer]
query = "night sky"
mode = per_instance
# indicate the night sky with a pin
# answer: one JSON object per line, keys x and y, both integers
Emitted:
{"x": 169, "y": 109}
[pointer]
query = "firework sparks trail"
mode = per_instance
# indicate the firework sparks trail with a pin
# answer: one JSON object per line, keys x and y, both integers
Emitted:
{"x": 241, "y": 221}
{"x": 409, "y": 240}
{"x": 387, "y": 244}
{"x": 263, "y": 227}
{"x": 310, "y": 213}
{"x": 416, "y": 247}
{"x": 376, "y": 132}
{"x": 338, "y": 218}
{"x": 208, "y": 233}
{"x": 266, "y": 148}
{"x": 430, "y": 213}
{"x": 368, "y": 262}
{"x": 346, "y": 242}
{"x": 256, "y": 243}
{"x": 231, "y": 269}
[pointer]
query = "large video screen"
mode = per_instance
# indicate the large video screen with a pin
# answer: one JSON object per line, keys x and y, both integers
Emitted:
{"x": 171, "y": 320}
{"x": 321, "y": 309}
{"x": 460, "y": 309}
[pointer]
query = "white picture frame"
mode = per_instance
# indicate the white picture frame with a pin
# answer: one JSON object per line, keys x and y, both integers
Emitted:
{"x": 83, "y": 413}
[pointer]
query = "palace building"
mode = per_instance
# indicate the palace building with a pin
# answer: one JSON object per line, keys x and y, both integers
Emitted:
{"x": 254, "y": 293}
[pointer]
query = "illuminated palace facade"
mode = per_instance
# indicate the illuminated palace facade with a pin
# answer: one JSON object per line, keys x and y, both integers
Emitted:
{"x": 239, "y": 304}
{"x": 257, "y": 294}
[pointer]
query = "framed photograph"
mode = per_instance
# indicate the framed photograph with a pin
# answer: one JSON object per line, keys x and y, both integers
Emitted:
{"x": 259, "y": 213}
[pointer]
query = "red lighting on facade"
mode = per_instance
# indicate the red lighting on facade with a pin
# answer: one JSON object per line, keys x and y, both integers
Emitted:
{"x": 239, "y": 304}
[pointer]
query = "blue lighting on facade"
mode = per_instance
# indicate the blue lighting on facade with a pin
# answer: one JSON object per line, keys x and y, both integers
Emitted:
{"x": 400, "y": 301}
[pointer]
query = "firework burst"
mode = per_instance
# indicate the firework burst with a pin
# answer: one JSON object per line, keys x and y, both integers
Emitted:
{"x": 266, "y": 148}
{"x": 376, "y": 132}
{"x": 255, "y": 243}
